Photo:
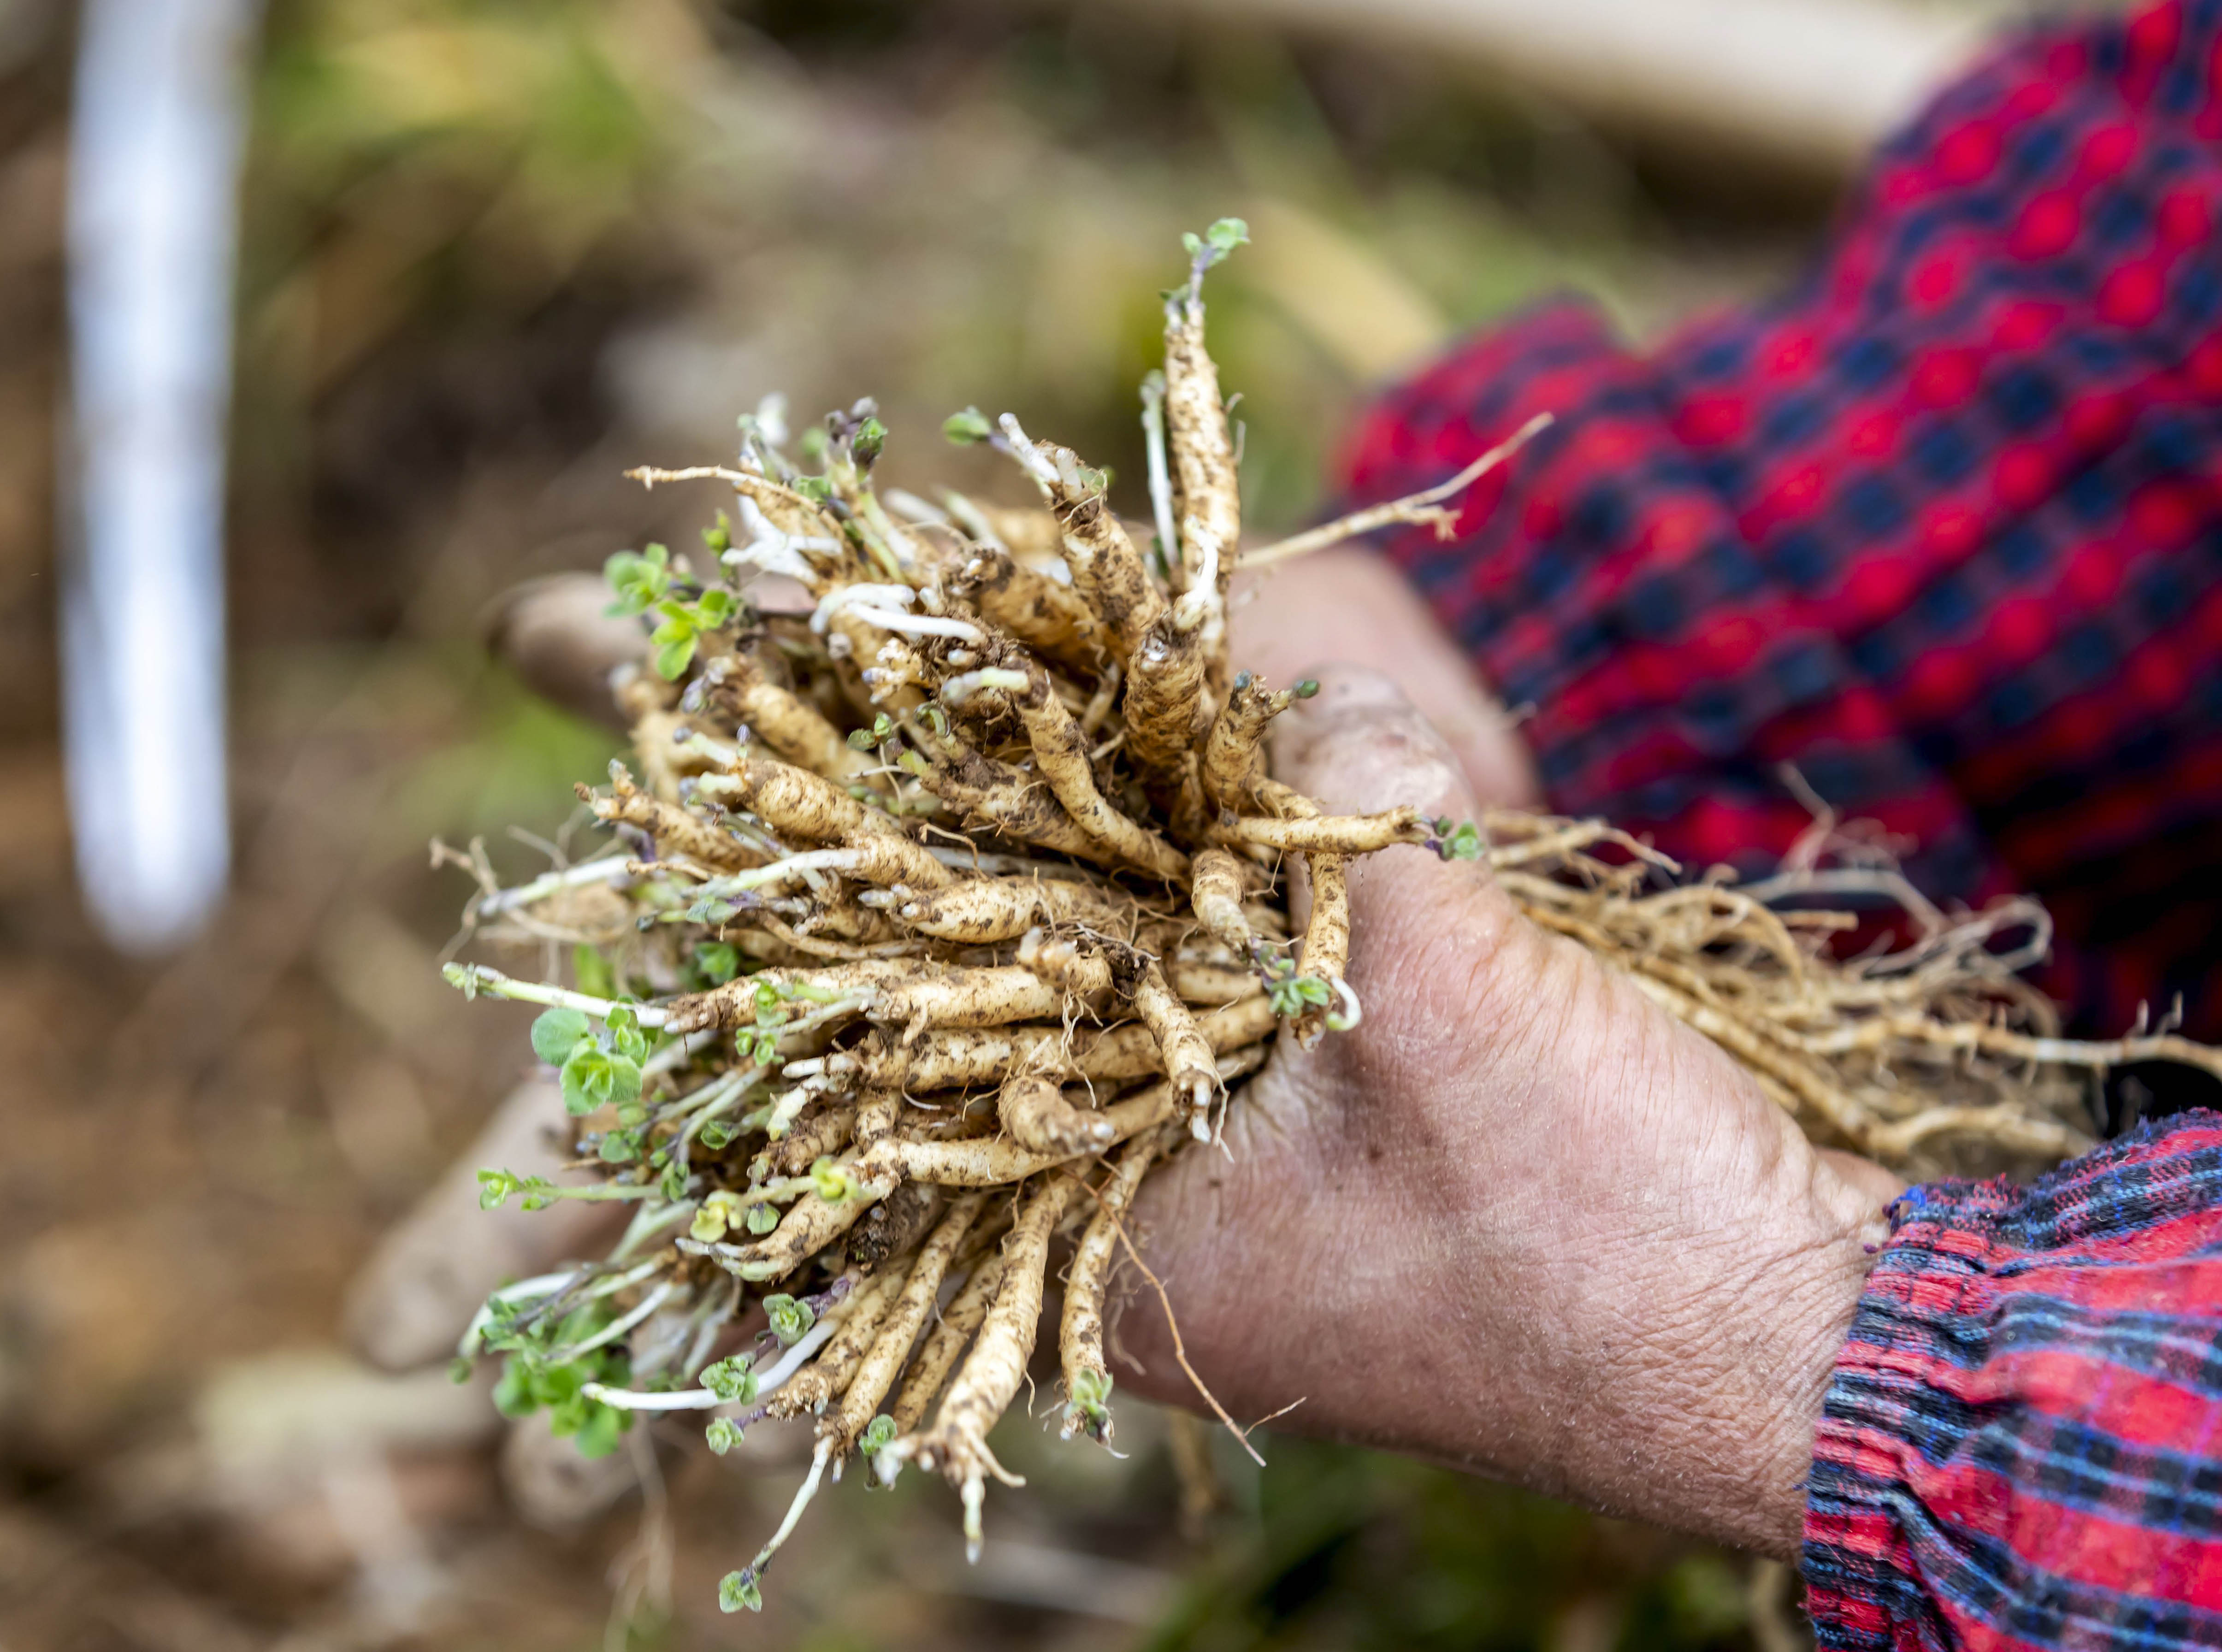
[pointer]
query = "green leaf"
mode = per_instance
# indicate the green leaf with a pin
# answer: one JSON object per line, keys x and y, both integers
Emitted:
{"x": 716, "y": 608}
{"x": 732, "y": 1381}
{"x": 791, "y": 1318}
{"x": 557, "y": 1033}
{"x": 674, "y": 643}
{"x": 619, "y": 1148}
{"x": 715, "y": 1135}
{"x": 738, "y": 1590}
{"x": 638, "y": 579}
{"x": 865, "y": 447}
{"x": 879, "y": 1433}
{"x": 512, "y": 1394}
{"x": 594, "y": 1078}
{"x": 719, "y": 961}
{"x": 719, "y": 537}
{"x": 722, "y": 1435}
{"x": 969, "y": 426}
{"x": 832, "y": 1180}
{"x": 599, "y": 1429}
{"x": 762, "y": 1219}
{"x": 1227, "y": 235}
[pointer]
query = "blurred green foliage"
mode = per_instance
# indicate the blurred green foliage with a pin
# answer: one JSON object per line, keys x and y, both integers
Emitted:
{"x": 1354, "y": 1550}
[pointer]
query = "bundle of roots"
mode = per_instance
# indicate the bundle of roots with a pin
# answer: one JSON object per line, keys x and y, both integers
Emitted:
{"x": 942, "y": 907}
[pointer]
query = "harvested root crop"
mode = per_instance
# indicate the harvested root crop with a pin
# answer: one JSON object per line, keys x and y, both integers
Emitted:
{"x": 934, "y": 921}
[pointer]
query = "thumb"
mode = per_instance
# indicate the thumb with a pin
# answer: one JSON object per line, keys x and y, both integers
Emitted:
{"x": 1417, "y": 922}
{"x": 558, "y": 635}
{"x": 1359, "y": 746}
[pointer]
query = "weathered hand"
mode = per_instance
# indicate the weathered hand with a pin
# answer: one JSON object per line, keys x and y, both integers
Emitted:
{"x": 1519, "y": 1220}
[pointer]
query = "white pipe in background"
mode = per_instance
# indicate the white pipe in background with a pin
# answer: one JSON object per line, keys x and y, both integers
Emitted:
{"x": 1808, "y": 84}
{"x": 157, "y": 132}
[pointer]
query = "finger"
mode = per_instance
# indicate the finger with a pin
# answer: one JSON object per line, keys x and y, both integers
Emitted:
{"x": 556, "y": 1489}
{"x": 1351, "y": 606}
{"x": 1360, "y": 743}
{"x": 557, "y": 634}
{"x": 1213, "y": 1224}
{"x": 430, "y": 1273}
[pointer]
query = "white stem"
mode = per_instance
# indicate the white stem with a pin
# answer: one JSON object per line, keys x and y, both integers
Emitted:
{"x": 850, "y": 596}
{"x": 969, "y": 518}
{"x": 717, "y": 751}
{"x": 474, "y": 978}
{"x": 1352, "y": 1013}
{"x": 648, "y": 1223}
{"x": 678, "y": 1053}
{"x": 571, "y": 878}
{"x": 638, "y": 1399}
{"x": 784, "y": 1110}
{"x": 1161, "y": 486}
{"x": 776, "y": 1374}
{"x": 919, "y": 624}
{"x": 962, "y": 687}
{"x": 769, "y": 1381}
{"x": 545, "y": 1284}
{"x": 808, "y": 1490}
{"x": 910, "y": 506}
{"x": 810, "y": 860}
{"x": 1029, "y": 457}
{"x": 617, "y": 1327}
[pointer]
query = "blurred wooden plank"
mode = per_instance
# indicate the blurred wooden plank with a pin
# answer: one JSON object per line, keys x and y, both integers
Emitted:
{"x": 1803, "y": 85}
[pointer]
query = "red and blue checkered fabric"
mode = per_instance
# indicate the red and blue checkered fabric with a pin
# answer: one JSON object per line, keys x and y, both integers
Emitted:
{"x": 1941, "y": 526}
{"x": 2023, "y": 1441}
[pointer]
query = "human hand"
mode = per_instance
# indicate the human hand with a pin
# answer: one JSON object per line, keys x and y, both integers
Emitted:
{"x": 1519, "y": 1220}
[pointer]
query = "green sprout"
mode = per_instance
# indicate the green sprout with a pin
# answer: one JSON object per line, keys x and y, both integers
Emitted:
{"x": 1090, "y": 1402}
{"x": 865, "y": 445}
{"x": 619, "y": 1148}
{"x": 593, "y": 1072}
{"x": 495, "y": 1187}
{"x": 530, "y": 1382}
{"x": 683, "y": 625}
{"x": 791, "y": 1318}
{"x": 1213, "y": 246}
{"x": 719, "y": 536}
{"x": 722, "y": 1435}
{"x": 969, "y": 426}
{"x": 732, "y": 1381}
{"x": 833, "y": 1180}
{"x": 738, "y": 1590}
{"x": 717, "y": 962}
{"x": 762, "y": 1219}
{"x": 1457, "y": 840}
{"x": 882, "y": 729}
{"x": 1290, "y": 994}
{"x": 878, "y": 1434}
{"x": 639, "y": 579}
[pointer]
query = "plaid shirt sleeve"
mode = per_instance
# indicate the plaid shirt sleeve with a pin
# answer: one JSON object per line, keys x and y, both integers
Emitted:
{"x": 1941, "y": 527}
{"x": 2022, "y": 1445}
